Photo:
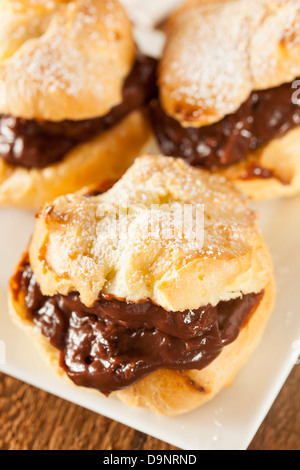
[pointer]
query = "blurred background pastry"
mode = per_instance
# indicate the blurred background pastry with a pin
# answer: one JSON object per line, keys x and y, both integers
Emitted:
{"x": 229, "y": 94}
{"x": 75, "y": 86}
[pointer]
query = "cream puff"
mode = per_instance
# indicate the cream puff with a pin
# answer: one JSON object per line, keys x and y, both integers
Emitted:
{"x": 74, "y": 89}
{"x": 229, "y": 94}
{"x": 125, "y": 298}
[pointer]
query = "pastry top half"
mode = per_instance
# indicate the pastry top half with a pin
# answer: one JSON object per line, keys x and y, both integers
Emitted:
{"x": 218, "y": 52}
{"x": 63, "y": 59}
{"x": 127, "y": 242}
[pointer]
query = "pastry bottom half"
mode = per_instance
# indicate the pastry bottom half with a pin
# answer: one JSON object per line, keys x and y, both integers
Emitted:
{"x": 270, "y": 172}
{"x": 104, "y": 158}
{"x": 165, "y": 392}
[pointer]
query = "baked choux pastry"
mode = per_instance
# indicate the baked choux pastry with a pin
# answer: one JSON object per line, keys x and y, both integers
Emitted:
{"x": 75, "y": 87}
{"x": 156, "y": 291}
{"x": 229, "y": 94}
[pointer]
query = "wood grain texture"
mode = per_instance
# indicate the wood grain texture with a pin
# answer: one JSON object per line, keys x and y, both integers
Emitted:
{"x": 33, "y": 419}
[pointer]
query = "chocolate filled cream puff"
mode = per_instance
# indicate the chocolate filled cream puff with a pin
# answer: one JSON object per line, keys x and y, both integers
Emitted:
{"x": 229, "y": 92}
{"x": 74, "y": 88}
{"x": 156, "y": 291}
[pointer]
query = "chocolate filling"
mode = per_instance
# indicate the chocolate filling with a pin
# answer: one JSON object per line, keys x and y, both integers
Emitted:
{"x": 115, "y": 344}
{"x": 266, "y": 115}
{"x": 38, "y": 144}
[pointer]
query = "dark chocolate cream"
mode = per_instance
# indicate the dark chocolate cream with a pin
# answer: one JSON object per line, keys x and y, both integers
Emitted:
{"x": 265, "y": 115}
{"x": 115, "y": 344}
{"x": 38, "y": 144}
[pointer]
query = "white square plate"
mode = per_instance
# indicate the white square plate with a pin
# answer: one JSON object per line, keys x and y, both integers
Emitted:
{"x": 231, "y": 420}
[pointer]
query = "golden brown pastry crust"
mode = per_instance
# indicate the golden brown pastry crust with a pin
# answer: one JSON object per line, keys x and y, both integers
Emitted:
{"x": 103, "y": 158}
{"x": 76, "y": 244}
{"x": 63, "y": 59}
{"x": 165, "y": 392}
{"x": 218, "y": 52}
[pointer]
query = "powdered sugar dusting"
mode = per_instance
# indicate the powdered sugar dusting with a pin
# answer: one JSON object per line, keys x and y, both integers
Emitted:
{"x": 67, "y": 60}
{"x": 218, "y": 51}
{"x": 125, "y": 241}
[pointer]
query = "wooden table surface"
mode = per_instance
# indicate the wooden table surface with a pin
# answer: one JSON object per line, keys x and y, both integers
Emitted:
{"x": 33, "y": 419}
